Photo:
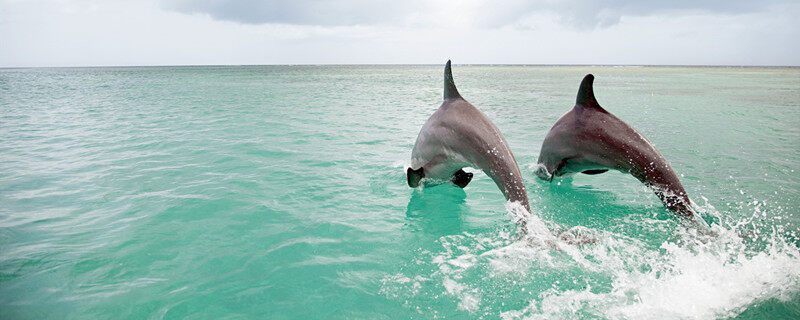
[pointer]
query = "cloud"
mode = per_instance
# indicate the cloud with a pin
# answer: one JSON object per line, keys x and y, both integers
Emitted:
{"x": 583, "y": 14}
{"x": 301, "y": 12}
{"x": 579, "y": 14}
{"x": 125, "y": 32}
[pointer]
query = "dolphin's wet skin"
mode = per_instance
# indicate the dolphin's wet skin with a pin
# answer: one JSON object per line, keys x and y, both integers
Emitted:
{"x": 282, "y": 192}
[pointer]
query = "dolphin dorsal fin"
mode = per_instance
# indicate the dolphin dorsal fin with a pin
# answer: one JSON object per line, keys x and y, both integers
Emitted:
{"x": 450, "y": 91}
{"x": 586, "y": 93}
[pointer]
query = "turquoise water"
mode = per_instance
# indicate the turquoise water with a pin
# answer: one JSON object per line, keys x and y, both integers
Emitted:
{"x": 279, "y": 192}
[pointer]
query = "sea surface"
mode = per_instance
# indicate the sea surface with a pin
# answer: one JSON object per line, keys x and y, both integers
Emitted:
{"x": 279, "y": 192}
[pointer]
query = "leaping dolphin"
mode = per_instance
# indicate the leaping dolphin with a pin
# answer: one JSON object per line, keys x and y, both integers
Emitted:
{"x": 458, "y": 135}
{"x": 590, "y": 140}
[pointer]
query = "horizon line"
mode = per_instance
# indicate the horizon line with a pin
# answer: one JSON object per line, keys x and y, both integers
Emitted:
{"x": 412, "y": 64}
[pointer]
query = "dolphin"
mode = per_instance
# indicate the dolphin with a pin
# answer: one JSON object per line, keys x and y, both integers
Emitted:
{"x": 459, "y": 135}
{"x": 590, "y": 140}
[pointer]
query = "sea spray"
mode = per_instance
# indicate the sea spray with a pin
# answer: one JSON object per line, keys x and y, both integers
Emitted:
{"x": 693, "y": 277}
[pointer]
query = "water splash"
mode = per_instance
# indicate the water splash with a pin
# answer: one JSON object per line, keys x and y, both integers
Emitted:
{"x": 535, "y": 273}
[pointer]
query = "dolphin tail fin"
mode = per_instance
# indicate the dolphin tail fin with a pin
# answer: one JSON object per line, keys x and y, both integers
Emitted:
{"x": 450, "y": 91}
{"x": 586, "y": 92}
{"x": 414, "y": 176}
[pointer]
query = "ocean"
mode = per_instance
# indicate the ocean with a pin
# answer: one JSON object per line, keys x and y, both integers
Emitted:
{"x": 279, "y": 192}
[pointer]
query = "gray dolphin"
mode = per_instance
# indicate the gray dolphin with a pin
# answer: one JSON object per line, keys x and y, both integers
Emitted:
{"x": 590, "y": 140}
{"x": 458, "y": 135}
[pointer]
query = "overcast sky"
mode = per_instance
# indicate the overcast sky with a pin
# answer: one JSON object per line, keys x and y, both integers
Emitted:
{"x": 192, "y": 32}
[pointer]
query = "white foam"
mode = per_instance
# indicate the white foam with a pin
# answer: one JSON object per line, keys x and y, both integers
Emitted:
{"x": 469, "y": 300}
{"x": 688, "y": 277}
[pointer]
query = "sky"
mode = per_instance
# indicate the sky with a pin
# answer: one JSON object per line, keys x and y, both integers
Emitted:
{"x": 227, "y": 32}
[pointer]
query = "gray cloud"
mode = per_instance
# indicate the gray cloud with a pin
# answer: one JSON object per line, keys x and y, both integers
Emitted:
{"x": 67, "y": 33}
{"x": 591, "y": 14}
{"x": 300, "y": 12}
{"x": 580, "y": 14}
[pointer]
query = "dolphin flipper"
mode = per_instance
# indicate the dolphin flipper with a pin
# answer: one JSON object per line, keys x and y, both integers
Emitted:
{"x": 558, "y": 168}
{"x": 594, "y": 171}
{"x": 414, "y": 176}
{"x": 462, "y": 178}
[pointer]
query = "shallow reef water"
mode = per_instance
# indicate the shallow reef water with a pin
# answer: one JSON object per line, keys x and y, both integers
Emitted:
{"x": 280, "y": 192}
